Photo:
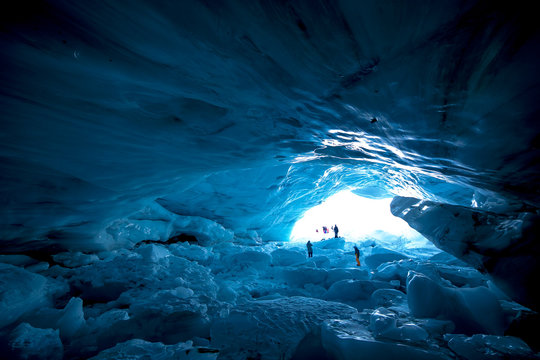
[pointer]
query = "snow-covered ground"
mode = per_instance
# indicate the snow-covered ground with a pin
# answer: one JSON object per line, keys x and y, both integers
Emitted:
{"x": 240, "y": 298}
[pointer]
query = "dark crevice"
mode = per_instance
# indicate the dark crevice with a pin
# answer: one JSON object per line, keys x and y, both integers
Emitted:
{"x": 182, "y": 238}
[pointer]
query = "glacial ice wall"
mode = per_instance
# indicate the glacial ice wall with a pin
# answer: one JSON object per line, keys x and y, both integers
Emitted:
{"x": 503, "y": 245}
{"x": 248, "y": 113}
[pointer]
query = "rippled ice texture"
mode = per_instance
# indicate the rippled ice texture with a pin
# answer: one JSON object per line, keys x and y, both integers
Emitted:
{"x": 250, "y": 113}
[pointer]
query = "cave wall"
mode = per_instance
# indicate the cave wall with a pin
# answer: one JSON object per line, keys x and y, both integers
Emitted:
{"x": 250, "y": 112}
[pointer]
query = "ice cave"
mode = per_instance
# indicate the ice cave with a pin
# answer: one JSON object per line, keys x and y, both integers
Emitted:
{"x": 163, "y": 165}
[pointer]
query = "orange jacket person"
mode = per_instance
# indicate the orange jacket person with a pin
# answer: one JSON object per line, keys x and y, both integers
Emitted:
{"x": 357, "y": 254}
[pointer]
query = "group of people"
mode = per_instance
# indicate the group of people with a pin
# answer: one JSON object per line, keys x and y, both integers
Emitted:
{"x": 326, "y": 231}
{"x": 309, "y": 245}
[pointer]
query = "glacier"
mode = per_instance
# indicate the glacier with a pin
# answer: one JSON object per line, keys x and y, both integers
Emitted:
{"x": 156, "y": 156}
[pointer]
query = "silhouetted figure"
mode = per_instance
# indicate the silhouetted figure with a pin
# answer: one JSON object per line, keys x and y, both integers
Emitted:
{"x": 336, "y": 230}
{"x": 309, "y": 246}
{"x": 357, "y": 255}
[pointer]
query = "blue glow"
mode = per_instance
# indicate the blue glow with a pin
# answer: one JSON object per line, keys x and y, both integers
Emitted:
{"x": 358, "y": 219}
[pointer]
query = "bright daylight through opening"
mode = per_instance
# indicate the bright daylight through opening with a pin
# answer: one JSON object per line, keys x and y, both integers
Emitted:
{"x": 359, "y": 219}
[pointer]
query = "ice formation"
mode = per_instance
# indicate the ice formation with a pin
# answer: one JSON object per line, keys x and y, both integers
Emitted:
{"x": 235, "y": 301}
{"x": 155, "y": 157}
{"x": 501, "y": 244}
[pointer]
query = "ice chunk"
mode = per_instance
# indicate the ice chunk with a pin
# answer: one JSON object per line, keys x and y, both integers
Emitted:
{"x": 352, "y": 290}
{"x": 322, "y": 262}
{"x": 226, "y": 293}
{"x": 45, "y": 317}
{"x": 140, "y": 349}
{"x": 383, "y": 323}
{"x": 462, "y": 276}
{"x": 196, "y": 253}
{"x": 197, "y": 341}
{"x": 101, "y": 332}
{"x": 446, "y": 258}
{"x": 105, "y": 281}
{"x": 75, "y": 259}
{"x": 41, "y": 266}
{"x": 208, "y": 232}
{"x": 27, "y": 342}
{"x": 349, "y": 340}
{"x": 388, "y": 297}
{"x": 113, "y": 254}
{"x": 335, "y": 275}
{"x": 331, "y": 243}
{"x": 153, "y": 253}
{"x": 168, "y": 300}
{"x": 437, "y": 327}
{"x": 425, "y": 297}
{"x": 446, "y": 275}
{"x": 162, "y": 316}
{"x": 374, "y": 260}
{"x": 315, "y": 291}
{"x": 72, "y": 318}
{"x": 17, "y": 260}
{"x": 256, "y": 260}
{"x": 250, "y": 237}
{"x": 156, "y": 223}
{"x": 272, "y": 329}
{"x": 302, "y": 276}
{"x": 471, "y": 309}
{"x": 285, "y": 257}
{"x": 183, "y": 292}
{"x": 392, "y": 271}
{"x": 170, "y": 309}
{"x": 21, "y": 292}
{"x": 411, "y": 333}
{"x": 107, "y": 319}
{"x": 127, "y": 232}
{"x": 398, "y": 270}
{"x": 489, "y": 347}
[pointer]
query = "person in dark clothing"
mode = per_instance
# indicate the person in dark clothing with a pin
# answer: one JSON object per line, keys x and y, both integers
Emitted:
{"x": 309, "y": 249}
{"x": 357, "y": 255}
{"x": 336, "y": 230}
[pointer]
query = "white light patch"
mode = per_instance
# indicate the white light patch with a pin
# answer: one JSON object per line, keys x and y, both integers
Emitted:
{"x": 357, "y": 218}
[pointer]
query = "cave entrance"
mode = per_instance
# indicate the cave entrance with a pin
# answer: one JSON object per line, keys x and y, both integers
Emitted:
{"x": 359, "y": 219}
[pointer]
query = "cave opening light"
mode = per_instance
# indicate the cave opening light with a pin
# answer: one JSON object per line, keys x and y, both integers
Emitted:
{"x": 358, "y": 219}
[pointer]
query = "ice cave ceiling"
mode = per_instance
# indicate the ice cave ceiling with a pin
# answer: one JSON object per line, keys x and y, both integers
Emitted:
{"x": 250, "y": 112}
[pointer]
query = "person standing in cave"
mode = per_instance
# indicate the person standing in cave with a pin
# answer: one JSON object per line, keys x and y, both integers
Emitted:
{"x": 309, "y": 246}
{"x": 336, "y": 230}
{"x": 357, "y": 255}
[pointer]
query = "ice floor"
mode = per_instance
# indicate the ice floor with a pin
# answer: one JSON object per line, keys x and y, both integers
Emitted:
{"x": 248, "y": 300}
